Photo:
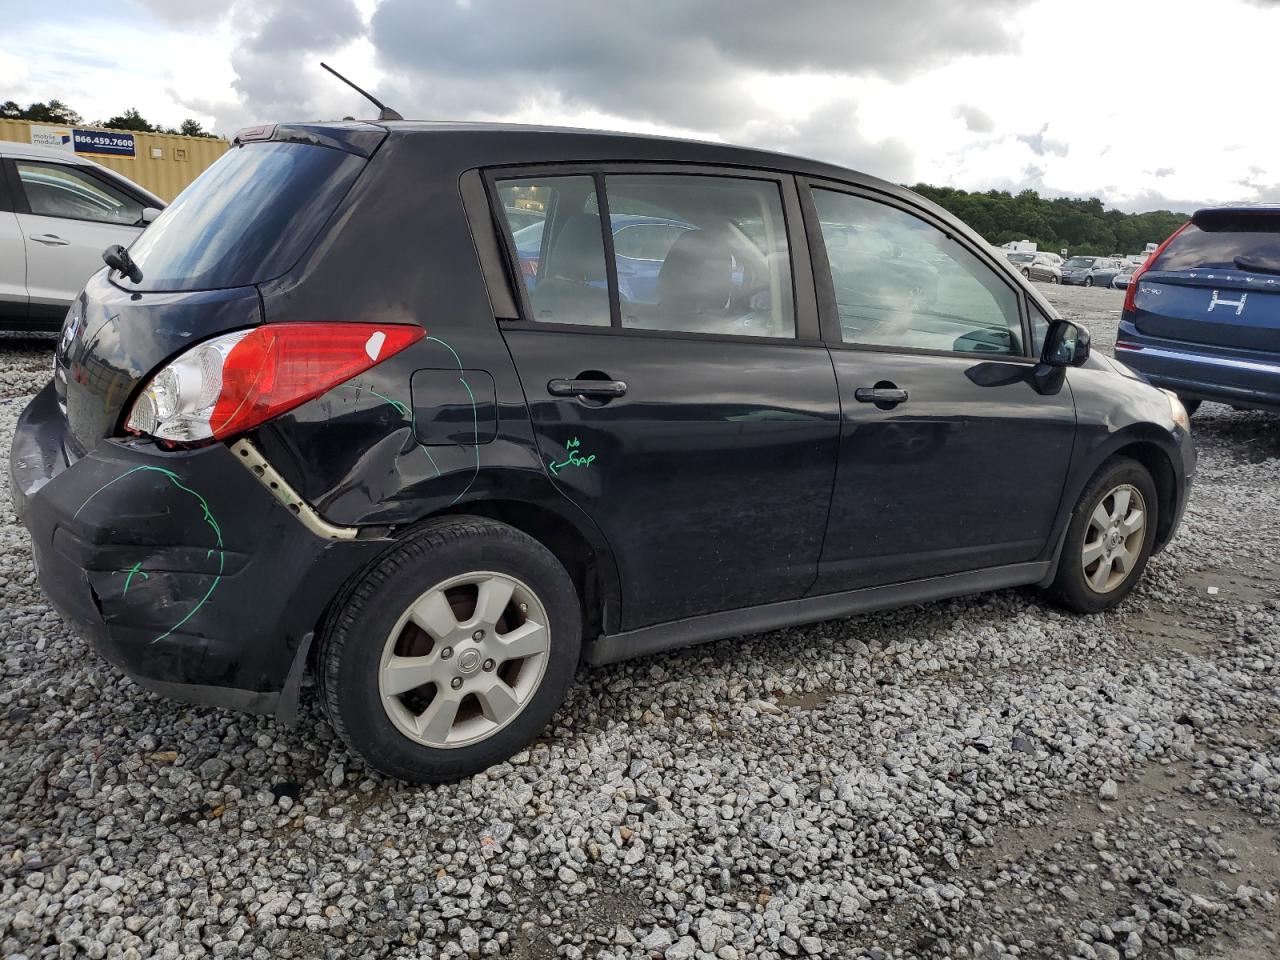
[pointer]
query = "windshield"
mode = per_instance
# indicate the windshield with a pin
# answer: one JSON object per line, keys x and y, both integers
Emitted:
{"x": 1230, "y": 245}
{"x": 244, "y": 220}
{"x": 1079, "y": 262}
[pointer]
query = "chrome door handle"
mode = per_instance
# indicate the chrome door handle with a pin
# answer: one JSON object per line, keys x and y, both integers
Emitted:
{"x": 586, "y": 388}
{"x": 880, "y": 395}
{"x": 50, "y": 239}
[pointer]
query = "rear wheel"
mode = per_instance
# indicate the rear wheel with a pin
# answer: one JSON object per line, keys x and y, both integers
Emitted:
{"x": 1055, "y": 279}
{"x": 1109, "y": 538}
{"x": 452, "y": 652}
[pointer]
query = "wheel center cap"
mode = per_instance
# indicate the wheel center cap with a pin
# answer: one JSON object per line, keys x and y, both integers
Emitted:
{"x": 469, "y": 661}
{"x": 1113, "y": 539}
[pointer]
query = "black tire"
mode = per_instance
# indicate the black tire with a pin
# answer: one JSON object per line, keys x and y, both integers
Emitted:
{"x": 1191, "y": 406}
{"x": 1027, "y": 274}
{"x": 363, "y": 617}
{"x": 1070, "y": 588}
{"x": 1055, "y": 279}
{"x": 1088, "y": 281}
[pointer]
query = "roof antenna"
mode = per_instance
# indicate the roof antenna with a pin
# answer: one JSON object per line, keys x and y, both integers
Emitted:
{"x": 384, "y": 112}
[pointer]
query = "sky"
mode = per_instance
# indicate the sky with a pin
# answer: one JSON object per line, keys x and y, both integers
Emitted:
{"x": 1144, "y": 103}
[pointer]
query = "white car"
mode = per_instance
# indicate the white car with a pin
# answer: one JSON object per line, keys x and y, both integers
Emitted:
{"x": 58, "y": 212}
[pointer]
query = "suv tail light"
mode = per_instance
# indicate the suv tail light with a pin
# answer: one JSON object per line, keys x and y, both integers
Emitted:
{"x": 239, "y": 380}
{"x": 1132, "y": 290}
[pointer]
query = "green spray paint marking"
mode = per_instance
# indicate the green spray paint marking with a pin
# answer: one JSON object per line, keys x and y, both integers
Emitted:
{"x": 575, "y": 458}
{"x": 208, "y": 518}
{"x": 400, "y": 408}
{"x": 133, "y": 571}
{"x": 475, "y": 418}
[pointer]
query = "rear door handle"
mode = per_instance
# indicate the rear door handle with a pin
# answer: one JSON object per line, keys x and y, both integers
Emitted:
{"x": 50, "y": 239}
{"x": 586, "y": 388}
{"x": 880, "y": 395}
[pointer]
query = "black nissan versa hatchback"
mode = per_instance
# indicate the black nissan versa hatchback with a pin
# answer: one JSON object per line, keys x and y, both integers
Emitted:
{"x": 342, "y": 407}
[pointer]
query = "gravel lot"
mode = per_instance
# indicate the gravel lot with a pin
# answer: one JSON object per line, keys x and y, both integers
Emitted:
{"x": 978, "y": 778}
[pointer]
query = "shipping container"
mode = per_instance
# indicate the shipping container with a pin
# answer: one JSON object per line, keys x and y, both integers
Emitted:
{"x": 164, "y": 163}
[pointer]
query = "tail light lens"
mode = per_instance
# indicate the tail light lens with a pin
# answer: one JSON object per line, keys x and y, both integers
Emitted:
{"x": 235, "y": 382}
{"x": 1131, "y": 291}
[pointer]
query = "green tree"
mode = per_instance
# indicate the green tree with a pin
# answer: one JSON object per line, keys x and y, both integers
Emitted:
{"x": 131, "y": 119}
{"x": 54, "y": 111}
{"x": 193, "y": 128}
{"x": 1080, "y": 224}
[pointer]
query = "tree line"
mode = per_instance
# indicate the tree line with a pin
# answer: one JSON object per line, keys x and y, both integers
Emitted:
{"x": 55, "y": 111}
{"x": 1079, "y": 225}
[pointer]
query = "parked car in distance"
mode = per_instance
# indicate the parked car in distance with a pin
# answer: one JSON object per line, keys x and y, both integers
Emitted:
{"x": 1037, "y": 266}
{"x": 1202, "y": 317}
{"x": 1122, "y": 279}
{"x": 332, "y": 430}
{"x": 58, "y": 212}
{"x": 1090, "y": 271}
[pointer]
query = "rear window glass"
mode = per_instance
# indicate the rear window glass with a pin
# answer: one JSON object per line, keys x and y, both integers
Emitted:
{"x": 244, "y": 220}
{"x": 1231, "y": 245}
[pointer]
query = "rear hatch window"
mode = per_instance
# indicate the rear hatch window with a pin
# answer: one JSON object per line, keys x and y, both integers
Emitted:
{"x": 1217, "y": 282}
{"x": 1249, "y": 242}
{"x": 246, "y": 219}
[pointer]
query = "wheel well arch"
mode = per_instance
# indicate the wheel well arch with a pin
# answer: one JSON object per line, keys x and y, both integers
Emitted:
{"x": 588, "y": 564}
{"x": 1157, "y": 462}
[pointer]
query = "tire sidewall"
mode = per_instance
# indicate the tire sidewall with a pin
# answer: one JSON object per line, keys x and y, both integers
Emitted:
{"x": 370, "y": 614}
{"x": 1070, "y": 583}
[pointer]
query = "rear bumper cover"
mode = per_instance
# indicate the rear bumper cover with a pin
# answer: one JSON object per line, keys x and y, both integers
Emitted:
{"x": 1242, "y": 378}
{"x": 178, "y": 567}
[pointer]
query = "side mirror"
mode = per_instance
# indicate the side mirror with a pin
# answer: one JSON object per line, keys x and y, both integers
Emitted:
{"x": 1065, "y": 345}
{"x": 150, "y": 213}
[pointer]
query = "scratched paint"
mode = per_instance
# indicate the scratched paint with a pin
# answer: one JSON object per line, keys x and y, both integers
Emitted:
{"x": 575, "y": 457}
{"x": 208, "y": 519}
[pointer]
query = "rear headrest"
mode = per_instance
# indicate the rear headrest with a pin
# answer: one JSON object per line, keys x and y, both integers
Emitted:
{"x": 698, "y": 273}
{"x": 578, "y": 253}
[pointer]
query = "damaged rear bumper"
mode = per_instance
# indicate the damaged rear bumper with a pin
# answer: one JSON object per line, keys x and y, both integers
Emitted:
{"x": 181, "y": 568}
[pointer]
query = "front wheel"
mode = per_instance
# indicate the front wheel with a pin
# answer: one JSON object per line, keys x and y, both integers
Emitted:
{"x": 451, "y": 652}
{"x": 1027, "y": 274}
{"x": 1109, "y": 538}
{"x": 1088, "y": 281}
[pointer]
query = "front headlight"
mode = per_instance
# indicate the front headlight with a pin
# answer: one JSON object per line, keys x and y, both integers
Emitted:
{"x": 1177, "y": 410}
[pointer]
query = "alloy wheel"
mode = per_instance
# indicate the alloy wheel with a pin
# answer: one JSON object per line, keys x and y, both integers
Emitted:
{"x": 1114, "y": 538}
{"x": 464, "y": 659}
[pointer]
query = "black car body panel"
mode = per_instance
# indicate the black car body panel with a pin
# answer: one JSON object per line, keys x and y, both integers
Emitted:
{"x": 735, "y": 485}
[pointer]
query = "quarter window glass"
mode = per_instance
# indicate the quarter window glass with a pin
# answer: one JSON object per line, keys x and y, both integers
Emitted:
{"x": 55, "y": 190}
{"x": 559, "y": 251}
{"x": 712, "y": 258}
{"x": 901, "y": 282}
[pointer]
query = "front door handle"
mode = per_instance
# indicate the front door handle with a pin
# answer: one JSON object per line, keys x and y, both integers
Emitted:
{"x": 50, "y": 239}
{"x": 586, "y": 388}
{"x": 880, "y": 395}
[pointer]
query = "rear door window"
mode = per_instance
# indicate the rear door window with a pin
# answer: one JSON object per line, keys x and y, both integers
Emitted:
{"x": 246, "y": 219}
{"x": 720, "y": 263}
{"x": 61, "y": 190}
{"x": 1247, "y": 242}
{"x": 691, "y": 254}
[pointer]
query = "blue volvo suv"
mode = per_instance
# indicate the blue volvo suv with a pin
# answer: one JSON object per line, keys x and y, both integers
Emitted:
{"x": 1202, "y": 316}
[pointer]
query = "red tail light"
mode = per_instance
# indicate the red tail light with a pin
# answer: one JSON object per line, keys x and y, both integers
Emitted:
{"x": 1132, "y": 290}
{"x": 239, "y": 380}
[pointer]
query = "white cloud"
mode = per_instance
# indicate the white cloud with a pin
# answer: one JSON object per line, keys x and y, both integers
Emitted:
{"x": 1153, "y": 104}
